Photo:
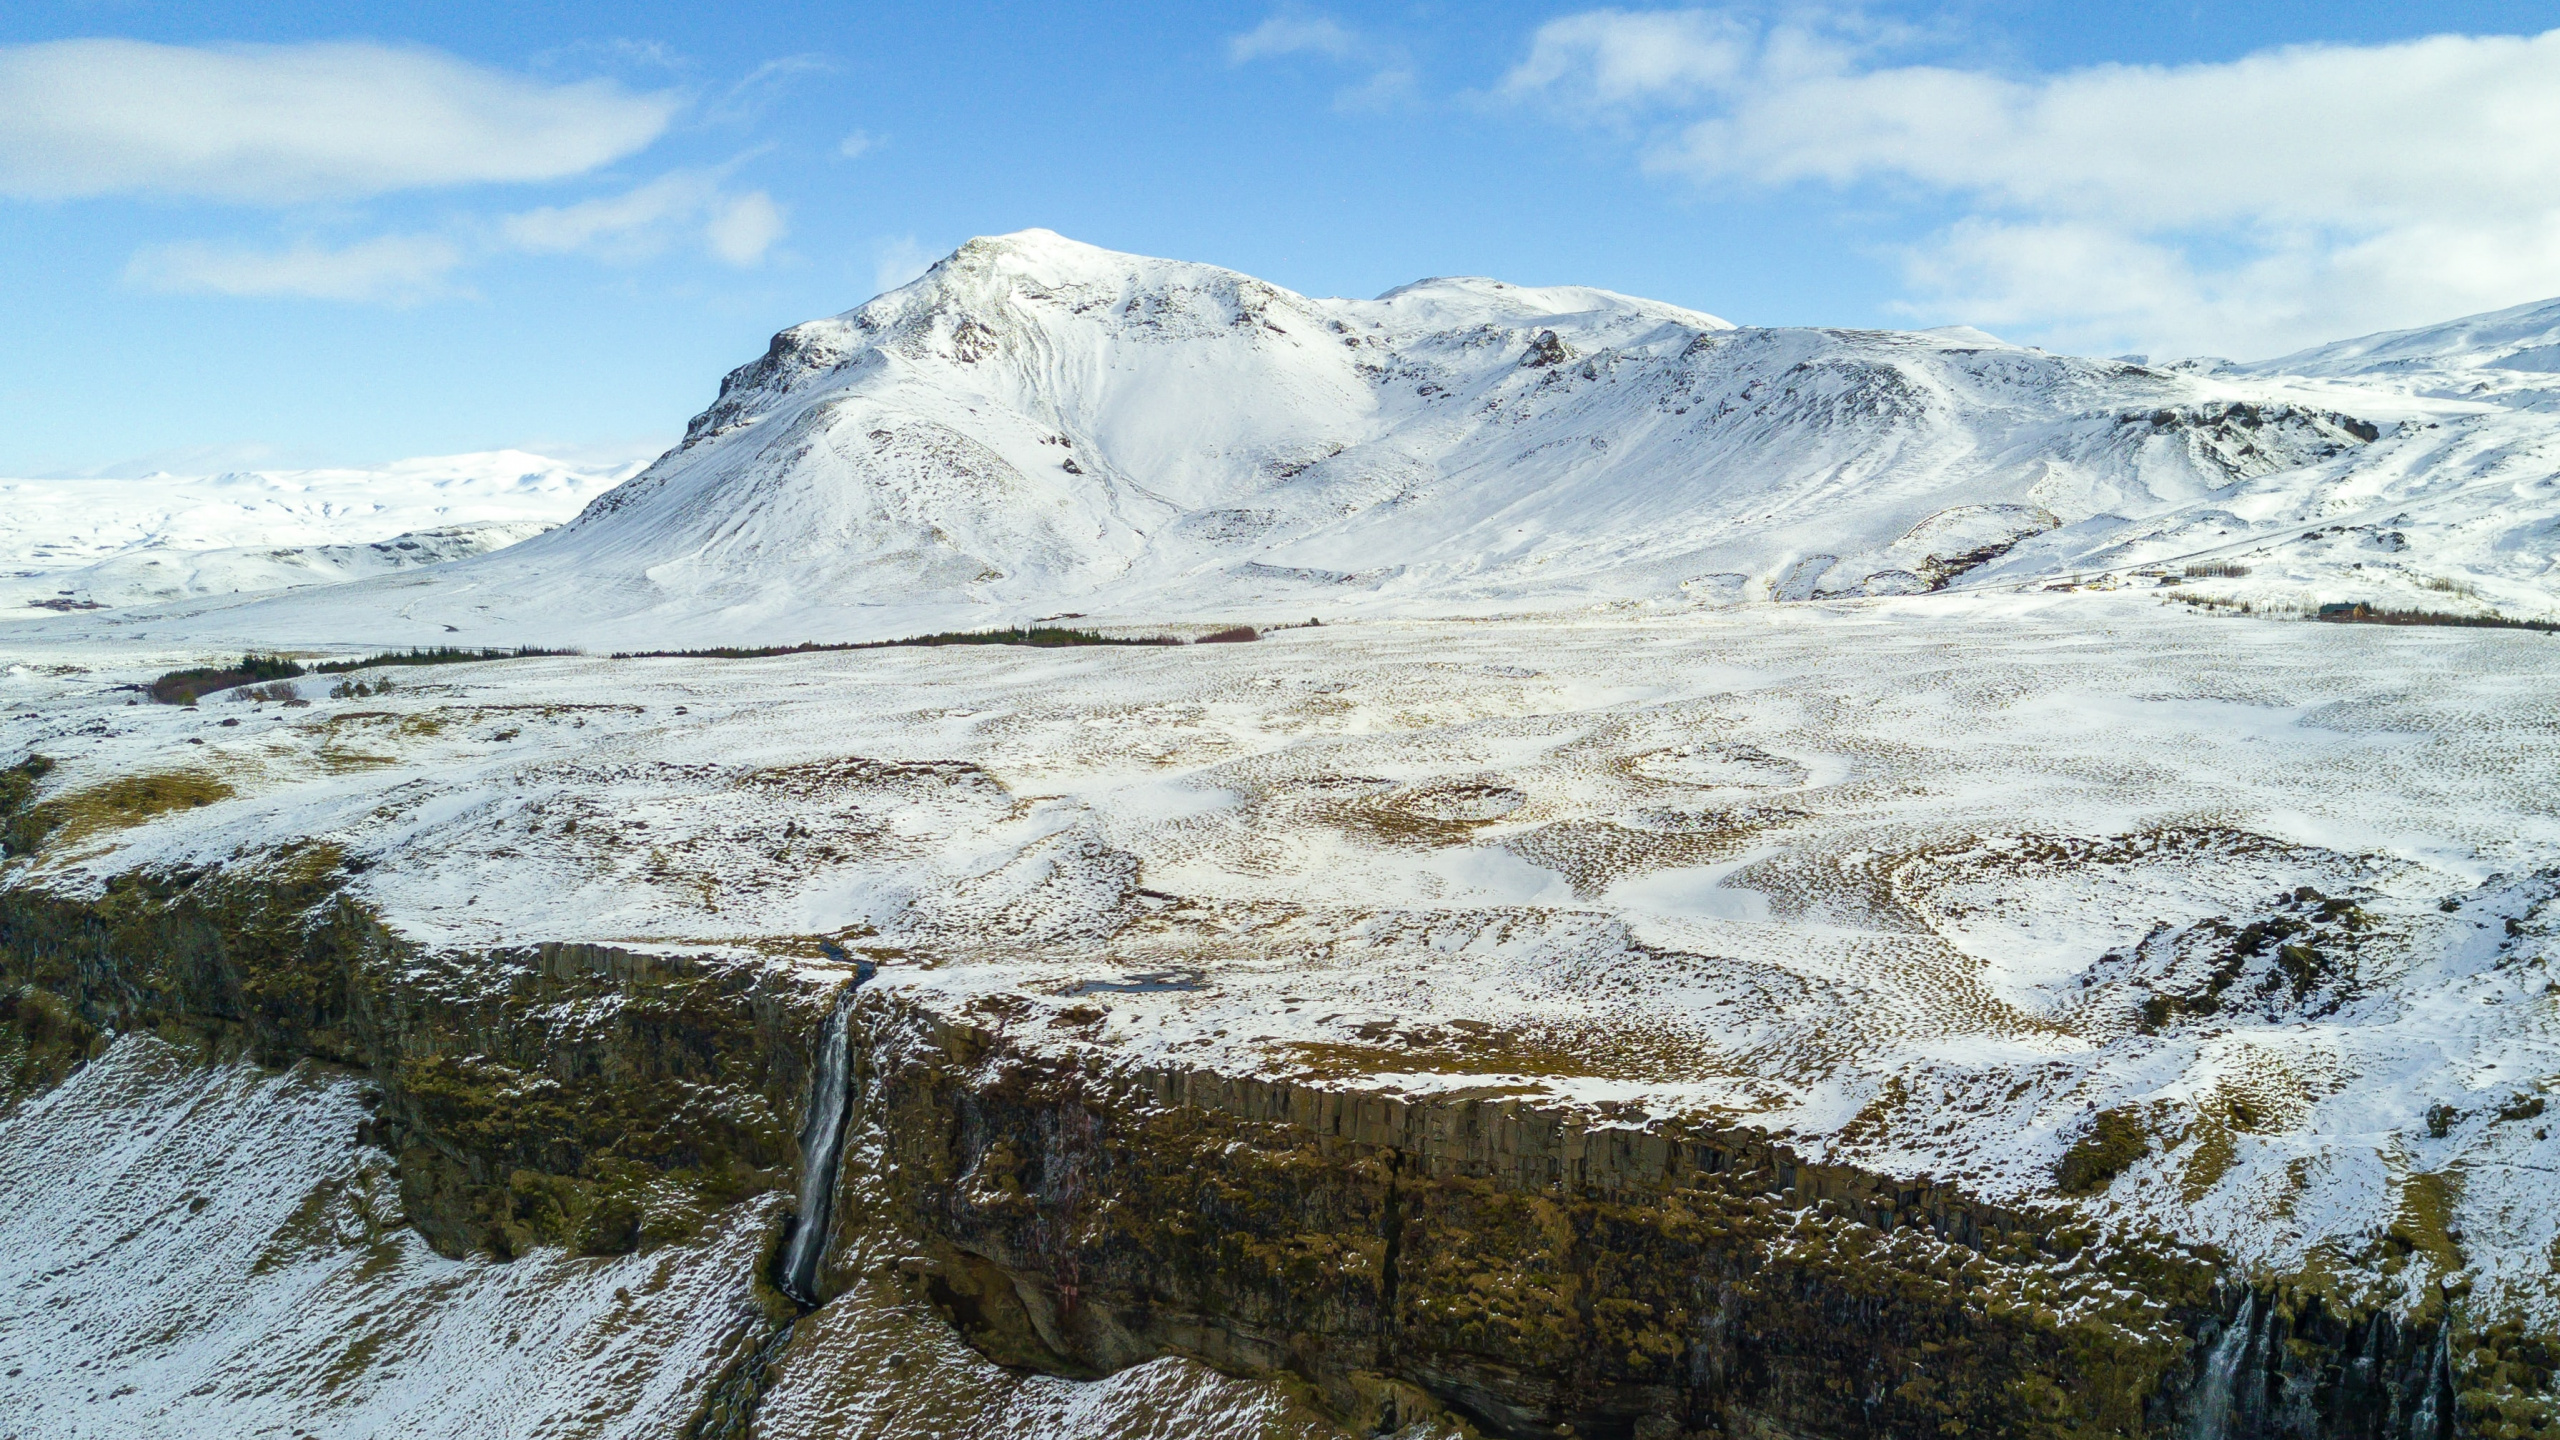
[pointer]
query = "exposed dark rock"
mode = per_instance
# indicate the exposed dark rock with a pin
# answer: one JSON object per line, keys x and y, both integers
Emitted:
{"x": 1547, "y": 349}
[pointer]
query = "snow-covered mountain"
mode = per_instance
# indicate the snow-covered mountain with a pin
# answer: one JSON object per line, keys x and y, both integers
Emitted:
{"x": 102, "y": 543}
{"x": 1037, "y": 427}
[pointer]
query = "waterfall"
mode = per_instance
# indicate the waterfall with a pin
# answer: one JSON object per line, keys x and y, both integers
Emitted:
{"x": 821, "y": 1148}
{"x": 2425, "y": 1423}
{"x": 2210, "y": 1419}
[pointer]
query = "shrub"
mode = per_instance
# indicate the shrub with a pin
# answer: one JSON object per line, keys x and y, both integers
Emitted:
{"x": 1233, "y": 634}
{"x": 183, "y": 687}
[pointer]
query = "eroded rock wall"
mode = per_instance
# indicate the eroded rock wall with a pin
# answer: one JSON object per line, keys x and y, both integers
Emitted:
{"x": 570, "y": 1095}
{"x": 1530, "y": 1269}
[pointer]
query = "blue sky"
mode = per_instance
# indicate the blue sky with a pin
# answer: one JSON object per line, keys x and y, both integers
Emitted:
{"x": 297, "y": 234}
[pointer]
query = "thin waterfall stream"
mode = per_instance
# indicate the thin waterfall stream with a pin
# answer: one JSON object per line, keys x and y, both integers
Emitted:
{"x": 2216, "y": 1387}
{"x": 821, "y": 1150}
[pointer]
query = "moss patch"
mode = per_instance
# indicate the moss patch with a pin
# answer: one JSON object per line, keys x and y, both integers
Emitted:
{"x": 117, "y": 804}
{"x": 41, "y": 1042}
{"x": 2115, "y": 1140}
{"x": 22, "y": 828}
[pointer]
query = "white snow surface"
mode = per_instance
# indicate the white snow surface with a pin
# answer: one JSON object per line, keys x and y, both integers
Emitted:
{"x": 1890, "y": 878}
{"x": 1038, "y": 427}
{"x": 117, "y": 543}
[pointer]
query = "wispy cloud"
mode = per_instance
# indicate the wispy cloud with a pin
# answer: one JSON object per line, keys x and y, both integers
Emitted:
{"x": 744, "y": 227}
{"x": 1296, "y": 35}
{"x": 859, "y": 144}
{"x": 279, "y": 124}
{"x": 1283, "y": 36}
{"x": 2253, "y": 205}
{"x": 685, "y": 208}
{"x": 393, "y": 269}
{"x": 649, "y": 220}
{"x": 759, "y": 90}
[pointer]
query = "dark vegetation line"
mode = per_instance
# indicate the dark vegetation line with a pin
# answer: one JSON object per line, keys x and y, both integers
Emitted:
{"x": 434, "y": 655}
{"x": 1044, "y": 636}
{"x": 182, "y": 687}
{"x": 2359, "y": 613}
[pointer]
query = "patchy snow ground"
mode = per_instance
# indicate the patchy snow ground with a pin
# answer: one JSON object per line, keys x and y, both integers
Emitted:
{"x": 1917, "y": 883}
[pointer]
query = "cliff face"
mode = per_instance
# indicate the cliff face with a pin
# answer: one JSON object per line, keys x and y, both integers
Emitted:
{"x": 560, "y": 1095}
{"x": 1471, "y": 1261}
{"x": 1541, "y": 1275}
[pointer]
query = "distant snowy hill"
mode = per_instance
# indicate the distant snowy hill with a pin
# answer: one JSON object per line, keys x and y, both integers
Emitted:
{"x": 2508, "y": 357}
{"x": 82, "y": 544}
{"x": 1038, "y": 427}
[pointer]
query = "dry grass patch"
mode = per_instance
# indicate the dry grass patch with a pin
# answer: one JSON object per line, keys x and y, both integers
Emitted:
{"x": 1471, "y": 1047}
{"x": 124, "y": 802}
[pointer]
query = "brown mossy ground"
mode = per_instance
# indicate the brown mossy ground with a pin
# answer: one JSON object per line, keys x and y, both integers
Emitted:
{"x": 558, "y": 1096}
{"x": 22, "y": 832}
{"x": 42, "y": 1040}
{"x": 117, "y": 804}
{"x": 2115, "y": 1140}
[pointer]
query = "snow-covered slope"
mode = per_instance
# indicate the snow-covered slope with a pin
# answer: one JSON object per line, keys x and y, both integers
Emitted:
{"x": 2456, "y": 507}
{"x": 91, "y": 543}
{"x": 1038, "y": 427}
{"x": 2508, "y": 357}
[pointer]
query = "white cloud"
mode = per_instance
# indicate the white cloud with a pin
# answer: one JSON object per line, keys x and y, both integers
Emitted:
{"x": 897, "y": 260}
{"x": 290, "y": 123}
{"x": 648, "y": 220}
{"x": 1296, "y": 35}
{"x": 859, "y": 144}
{"x": 1390, "y": 79}
{"x": 680, "y": 208}
{"x": 744, "y": 228}
{"x": 397, "y": 269}
{"x": 1613, "y": 57}
{"x": 2251, "y": 205}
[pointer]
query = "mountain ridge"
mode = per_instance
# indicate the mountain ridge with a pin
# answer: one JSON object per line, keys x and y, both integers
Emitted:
{"x": 1036, "y": 426}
